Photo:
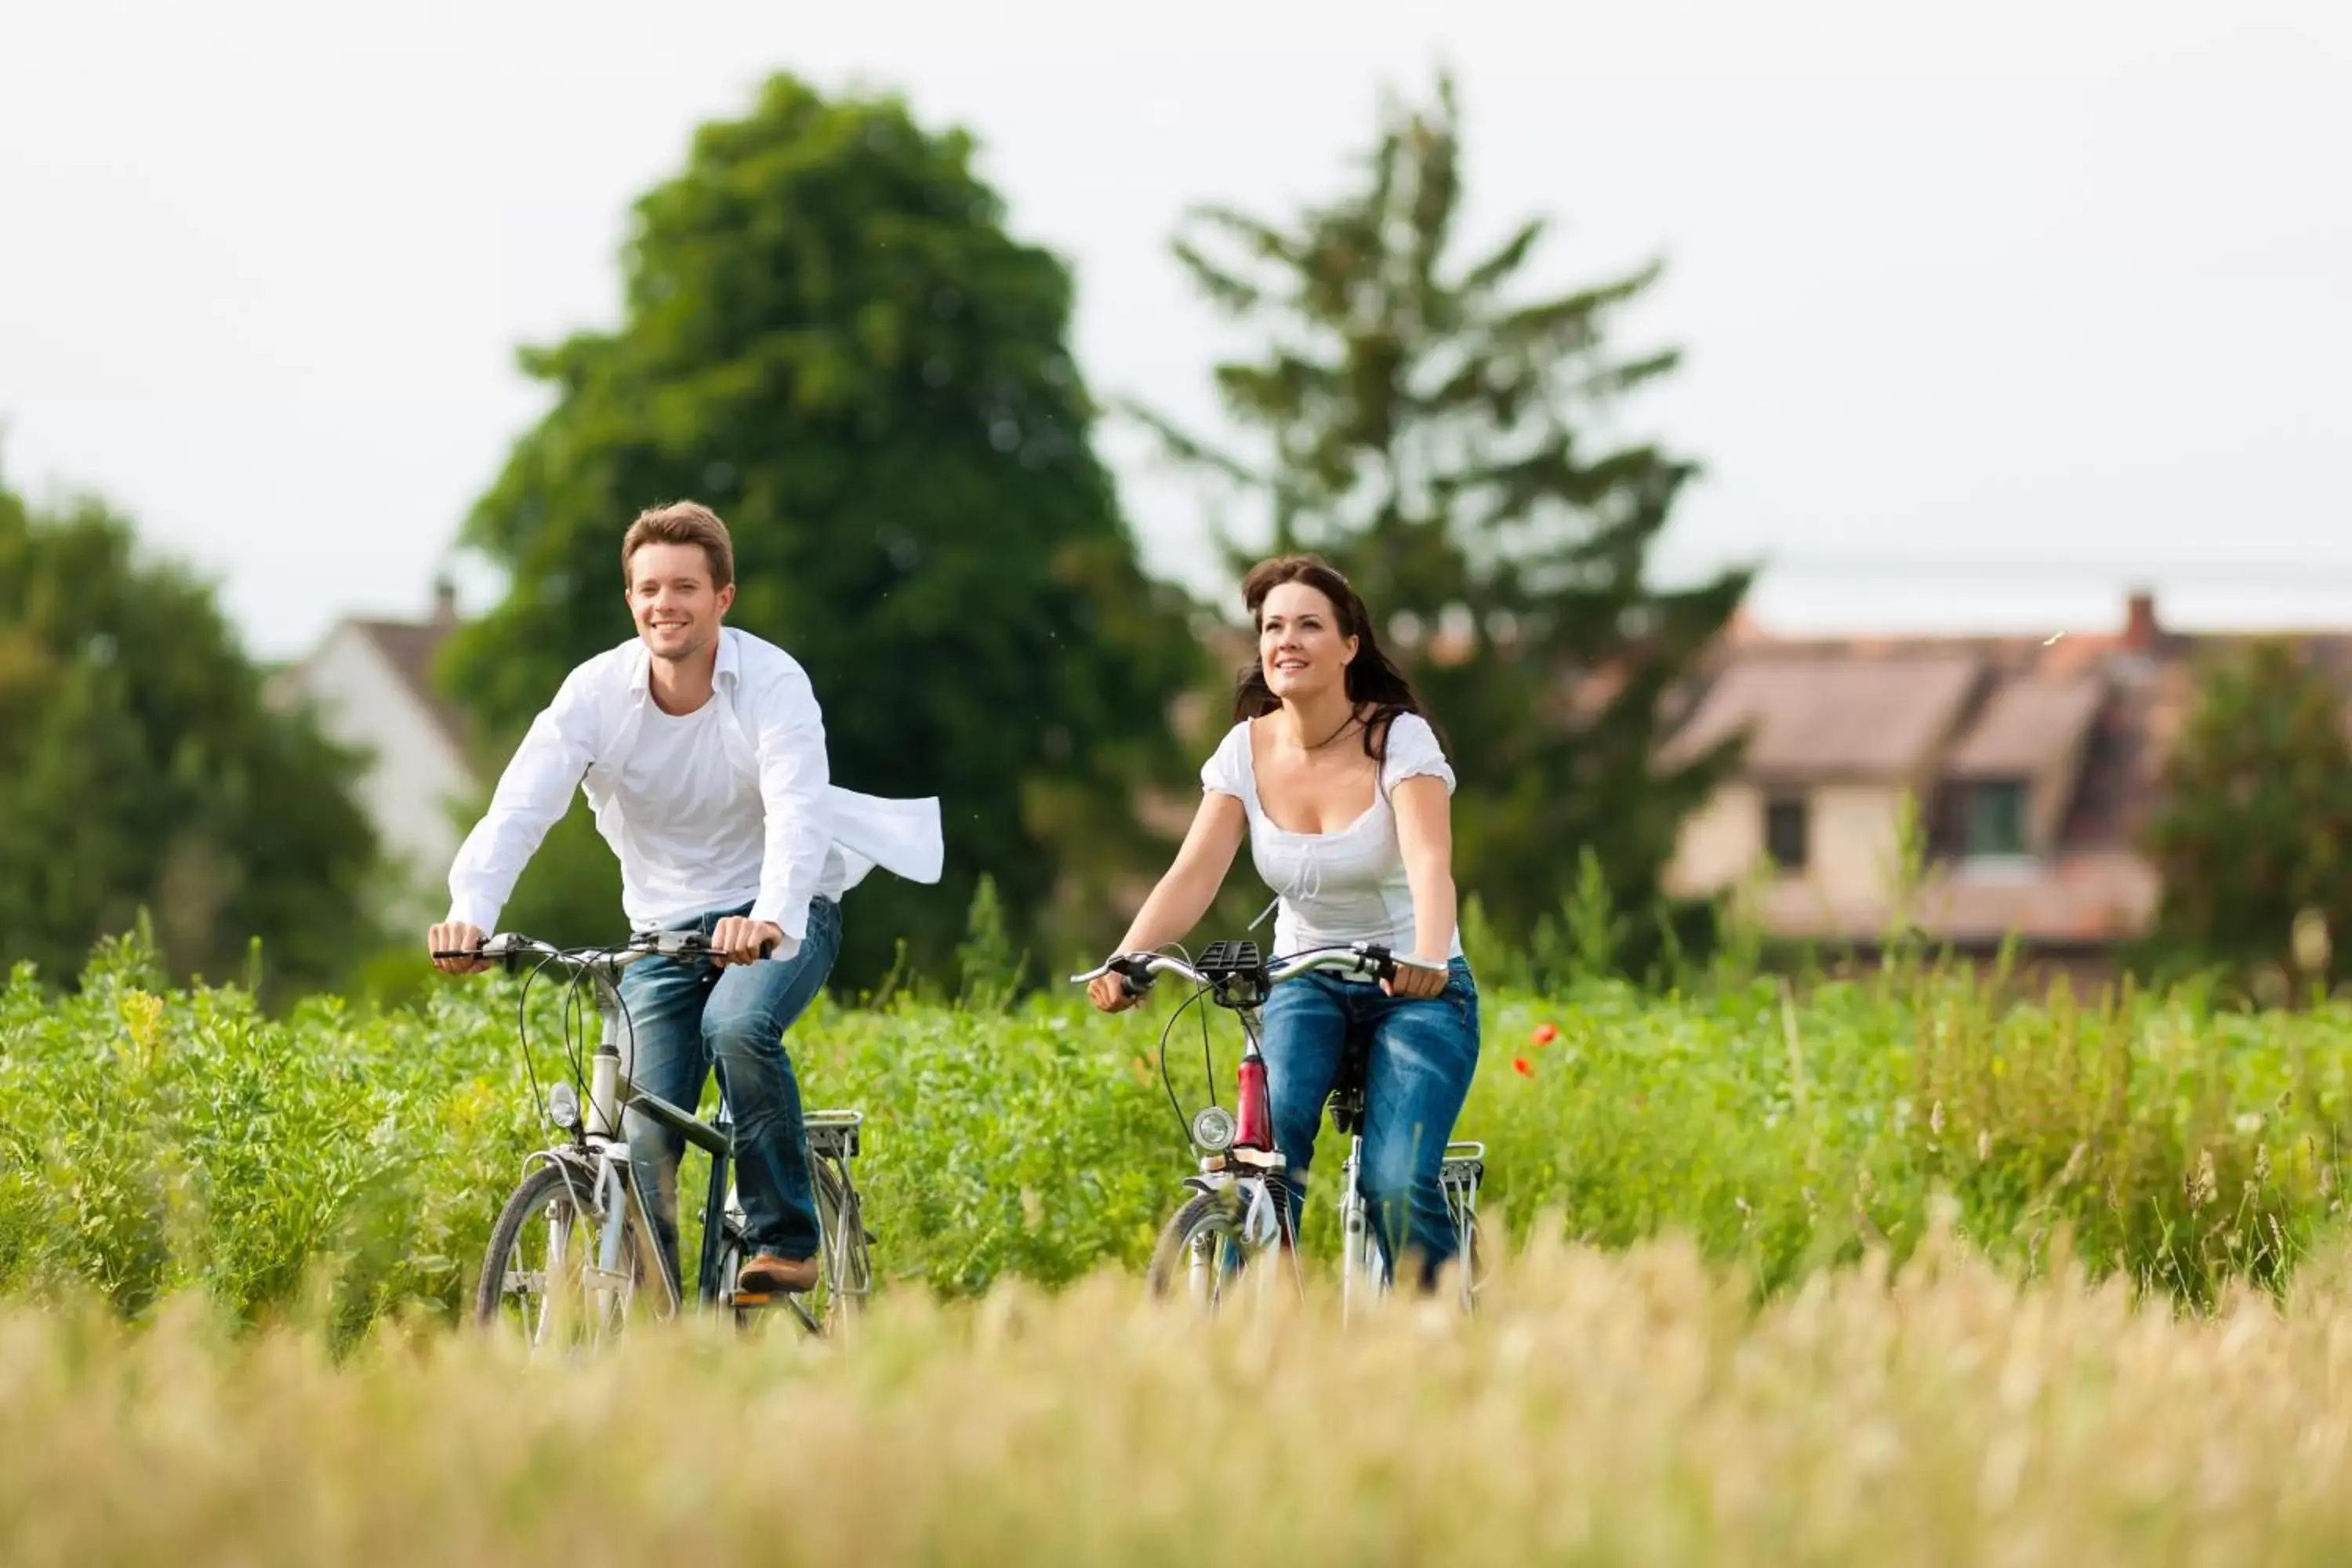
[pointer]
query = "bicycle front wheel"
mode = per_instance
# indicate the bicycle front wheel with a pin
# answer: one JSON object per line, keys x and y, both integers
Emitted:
{"x": 548, "y": 1275}
{"x": 1202, "y": 1252}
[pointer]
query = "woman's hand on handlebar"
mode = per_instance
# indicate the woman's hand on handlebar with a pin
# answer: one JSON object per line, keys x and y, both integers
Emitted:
{"x": 1111, "y": 993}
{"x": 1410, "y": 980}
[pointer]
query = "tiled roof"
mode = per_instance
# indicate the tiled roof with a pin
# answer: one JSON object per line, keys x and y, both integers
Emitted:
{"x": 1823, "y": 718}
{"x": 2027, "y": 723}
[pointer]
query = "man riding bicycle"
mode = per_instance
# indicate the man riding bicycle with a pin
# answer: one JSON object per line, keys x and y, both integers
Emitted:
{"x": 701, "y": 750}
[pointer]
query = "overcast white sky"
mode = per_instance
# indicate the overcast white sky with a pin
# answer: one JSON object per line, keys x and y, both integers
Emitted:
{"x": 2030, "y": 298}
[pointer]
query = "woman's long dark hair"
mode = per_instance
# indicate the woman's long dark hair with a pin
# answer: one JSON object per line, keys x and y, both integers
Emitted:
{"x": 1372, "y": 676}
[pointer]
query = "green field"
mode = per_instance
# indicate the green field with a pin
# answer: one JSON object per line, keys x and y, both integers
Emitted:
{"x": 155, "y": 1142}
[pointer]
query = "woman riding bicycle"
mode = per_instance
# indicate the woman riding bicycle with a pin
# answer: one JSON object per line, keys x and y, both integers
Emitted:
{"x": 1343, "y": 788}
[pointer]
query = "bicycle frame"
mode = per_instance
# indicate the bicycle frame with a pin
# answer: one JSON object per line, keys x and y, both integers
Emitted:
{"x": 600, "y": 1150}
{"x": 600, "y": 1146}
{"x": 1238, "y": 1155}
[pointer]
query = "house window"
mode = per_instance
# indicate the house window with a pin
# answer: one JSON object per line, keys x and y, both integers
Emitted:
{"x": 1996, "y": 817}
{"x": 1784, "y": 831}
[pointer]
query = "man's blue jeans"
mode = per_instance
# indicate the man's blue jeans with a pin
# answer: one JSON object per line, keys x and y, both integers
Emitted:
{"x": 1424, "y": 1052}
{"x": 687, "y": 1016}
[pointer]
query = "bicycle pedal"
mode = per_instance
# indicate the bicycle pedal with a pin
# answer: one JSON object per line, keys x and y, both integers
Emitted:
{"x": 769, "y": 1292}
{"x": 752, "y": 1300}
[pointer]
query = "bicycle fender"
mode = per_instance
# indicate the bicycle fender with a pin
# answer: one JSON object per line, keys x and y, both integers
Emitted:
{"x": 1263, "y": 1224}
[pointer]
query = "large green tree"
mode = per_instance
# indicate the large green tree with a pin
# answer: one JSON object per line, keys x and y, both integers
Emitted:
{"x": 830, "y": 337}
{"x": 1429, "y": 426}
{"x": 2256, "y": 818}
{"x": 141, "y": 768}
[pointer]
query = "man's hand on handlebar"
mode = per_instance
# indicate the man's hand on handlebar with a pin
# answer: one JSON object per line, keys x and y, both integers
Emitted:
{"x": 737, "y": 938}
{"x": 450, "y": 942}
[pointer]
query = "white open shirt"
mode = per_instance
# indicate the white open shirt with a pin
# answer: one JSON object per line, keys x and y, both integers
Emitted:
{"x": 738, "y": 805}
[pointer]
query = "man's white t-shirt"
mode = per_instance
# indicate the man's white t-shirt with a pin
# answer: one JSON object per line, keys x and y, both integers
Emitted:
{"x": 690, "y": 820}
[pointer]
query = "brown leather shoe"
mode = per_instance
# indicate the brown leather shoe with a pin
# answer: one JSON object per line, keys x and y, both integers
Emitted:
{"x": 769, "y": 1274}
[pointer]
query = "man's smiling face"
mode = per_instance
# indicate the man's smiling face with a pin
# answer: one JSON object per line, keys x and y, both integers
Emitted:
{"x": 677, "y": 610}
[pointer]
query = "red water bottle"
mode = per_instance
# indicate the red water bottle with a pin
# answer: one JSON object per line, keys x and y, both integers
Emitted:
{"x": 1257, "y": 1117}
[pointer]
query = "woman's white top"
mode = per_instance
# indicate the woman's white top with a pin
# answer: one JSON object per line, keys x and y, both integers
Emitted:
{"x": 1348, "y": 885}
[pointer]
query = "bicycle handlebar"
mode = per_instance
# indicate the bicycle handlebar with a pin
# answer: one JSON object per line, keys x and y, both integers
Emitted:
{"x": 1140, "y": 970}
{"x": 509, "y": 949}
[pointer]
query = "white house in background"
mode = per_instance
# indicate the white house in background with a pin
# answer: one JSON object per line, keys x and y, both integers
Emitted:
{"x": 370, "y": 683}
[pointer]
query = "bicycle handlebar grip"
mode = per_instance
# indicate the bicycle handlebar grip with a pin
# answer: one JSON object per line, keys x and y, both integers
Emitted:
{"x": 480, "y": 954}
{"x": 1133, "y": 973}
{"x": 692, "y": 945}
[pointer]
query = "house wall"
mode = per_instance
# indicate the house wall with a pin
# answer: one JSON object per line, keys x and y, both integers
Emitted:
{"x": 413, "y": 774}
{"x": 1719, "y": 842}
{"x": 1850, "y": 841}
{"x": 1855, "y": 841}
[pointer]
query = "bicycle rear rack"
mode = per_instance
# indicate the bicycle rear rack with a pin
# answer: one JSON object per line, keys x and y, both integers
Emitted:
{"x": 834, "y": 1135}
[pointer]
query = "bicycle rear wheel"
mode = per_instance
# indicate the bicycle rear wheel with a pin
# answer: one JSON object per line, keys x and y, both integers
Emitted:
{"x": 844, "y": 1261}
{"x": 848, "y": 1255}
{"x": 1460, "y": 1180}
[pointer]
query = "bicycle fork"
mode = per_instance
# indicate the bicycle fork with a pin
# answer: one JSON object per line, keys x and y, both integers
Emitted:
{"x": 607, "y": 1070}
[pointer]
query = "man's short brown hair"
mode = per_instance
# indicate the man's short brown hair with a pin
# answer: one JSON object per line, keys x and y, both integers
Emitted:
{"x": 683, "y": 522}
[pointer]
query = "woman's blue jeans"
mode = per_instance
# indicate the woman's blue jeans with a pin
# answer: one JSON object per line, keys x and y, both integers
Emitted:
{"x": 1424, "y": 1052}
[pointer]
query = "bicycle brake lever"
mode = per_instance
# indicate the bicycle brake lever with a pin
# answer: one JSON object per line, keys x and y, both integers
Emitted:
{"x": 505, "y": 949}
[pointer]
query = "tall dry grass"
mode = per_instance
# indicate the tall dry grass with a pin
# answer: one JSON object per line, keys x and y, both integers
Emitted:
{"x": 1632, "y": 1407}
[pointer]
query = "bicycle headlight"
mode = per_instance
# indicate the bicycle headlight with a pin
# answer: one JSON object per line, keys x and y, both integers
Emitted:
{"x": 564, "y": 1106}
{"x": 1214, "y": 1130}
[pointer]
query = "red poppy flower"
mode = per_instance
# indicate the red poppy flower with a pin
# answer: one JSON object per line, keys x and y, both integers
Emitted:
{"x": 1524, "y": 1067}
{"x": 1546, "y": 1034}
